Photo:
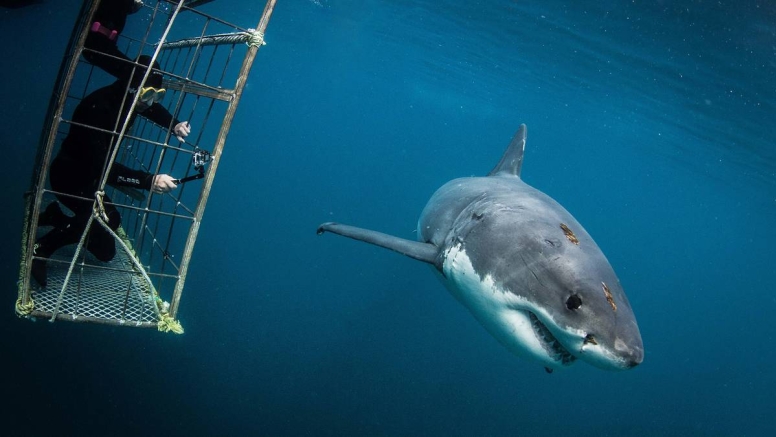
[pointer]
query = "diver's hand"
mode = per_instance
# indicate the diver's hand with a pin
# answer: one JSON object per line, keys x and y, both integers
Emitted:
{"x": 163, "y": 183}
{"x": 182, "y": 130}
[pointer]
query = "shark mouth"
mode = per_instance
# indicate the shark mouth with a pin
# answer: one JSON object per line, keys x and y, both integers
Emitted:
{"x": 551, "y": 344}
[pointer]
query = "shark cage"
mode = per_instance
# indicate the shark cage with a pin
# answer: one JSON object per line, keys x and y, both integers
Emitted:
{"x": 204, "y": 63}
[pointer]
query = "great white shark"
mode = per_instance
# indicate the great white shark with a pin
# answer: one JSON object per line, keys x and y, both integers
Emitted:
{"x": 523, "y": 266}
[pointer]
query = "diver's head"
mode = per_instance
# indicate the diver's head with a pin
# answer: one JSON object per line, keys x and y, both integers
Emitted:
{"x": 151, "y": 92}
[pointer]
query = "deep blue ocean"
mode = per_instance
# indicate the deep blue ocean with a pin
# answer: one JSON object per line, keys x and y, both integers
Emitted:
{"x": 653, "y": 122}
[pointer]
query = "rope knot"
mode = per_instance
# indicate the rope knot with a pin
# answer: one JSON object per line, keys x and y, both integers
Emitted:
{"x": 255, "y": 38}
{"x": 99, "y": 206}
{"x": 22, "y": 309}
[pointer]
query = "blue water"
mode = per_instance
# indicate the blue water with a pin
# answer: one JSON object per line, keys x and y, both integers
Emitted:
{"x": 652, "y": 122}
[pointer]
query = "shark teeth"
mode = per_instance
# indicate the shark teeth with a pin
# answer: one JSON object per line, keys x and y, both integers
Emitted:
{"x": 551, "y": 344}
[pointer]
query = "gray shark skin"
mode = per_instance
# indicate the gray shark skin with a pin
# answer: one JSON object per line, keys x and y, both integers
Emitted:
{"x": 523, "y": 266}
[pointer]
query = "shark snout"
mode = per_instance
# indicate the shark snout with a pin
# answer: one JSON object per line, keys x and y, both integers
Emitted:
{"x": 632, "y": 355}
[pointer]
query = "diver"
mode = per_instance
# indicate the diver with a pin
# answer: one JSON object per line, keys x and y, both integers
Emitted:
{"x": 107, "y": 24}
{"x": 78, "y": 167}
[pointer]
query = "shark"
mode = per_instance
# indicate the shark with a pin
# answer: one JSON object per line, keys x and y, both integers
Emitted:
{"x": 523, "y": 266}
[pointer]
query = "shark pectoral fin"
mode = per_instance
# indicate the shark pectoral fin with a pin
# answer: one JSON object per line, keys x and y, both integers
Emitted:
{"x": 425, "y": 252}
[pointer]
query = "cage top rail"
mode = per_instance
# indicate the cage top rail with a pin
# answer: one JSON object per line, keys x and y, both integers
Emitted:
{"x": 250, "y": 37}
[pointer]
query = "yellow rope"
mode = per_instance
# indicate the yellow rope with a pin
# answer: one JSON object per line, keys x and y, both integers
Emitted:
{"x": 255, "y": 38}
{"x": 167, "y": 324}
{"x": 23, "y": 310}
{"x": 99, "y": 207}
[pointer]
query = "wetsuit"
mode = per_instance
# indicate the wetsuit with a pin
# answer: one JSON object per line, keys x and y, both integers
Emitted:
{"x": 78, "y": 167}
{"x": 111, "y": 16}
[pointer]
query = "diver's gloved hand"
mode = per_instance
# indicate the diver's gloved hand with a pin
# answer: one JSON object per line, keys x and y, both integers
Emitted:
{"x": 163, "y": 183}
{"x": 182, "y": 130}
{"x": 137, "y": 6}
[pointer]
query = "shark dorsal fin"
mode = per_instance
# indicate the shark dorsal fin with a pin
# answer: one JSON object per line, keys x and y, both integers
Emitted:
{"x": 512, "y": 161}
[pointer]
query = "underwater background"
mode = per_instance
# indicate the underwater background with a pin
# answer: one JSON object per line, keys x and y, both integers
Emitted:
{"x": 651, "y": 121}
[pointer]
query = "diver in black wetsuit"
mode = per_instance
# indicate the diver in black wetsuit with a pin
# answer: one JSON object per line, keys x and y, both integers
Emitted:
{"x": 78, "y": 167}
{"x": 107, "y": 24}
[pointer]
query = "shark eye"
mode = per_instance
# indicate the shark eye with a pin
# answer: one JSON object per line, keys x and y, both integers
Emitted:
{"x": 573, "y": 302}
